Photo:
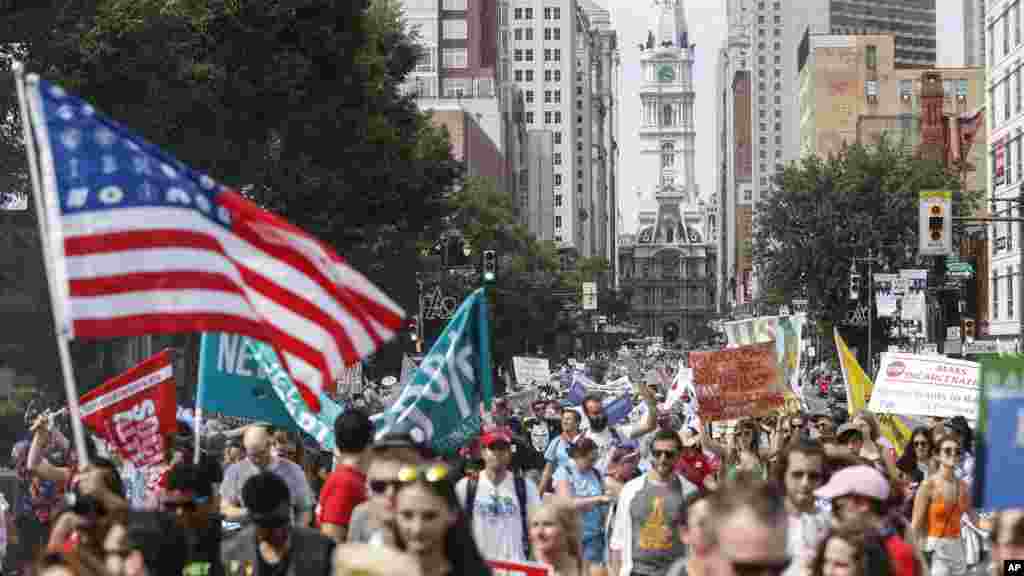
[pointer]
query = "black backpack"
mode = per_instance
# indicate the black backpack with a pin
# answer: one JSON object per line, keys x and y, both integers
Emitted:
{"x": 520, "y": 483}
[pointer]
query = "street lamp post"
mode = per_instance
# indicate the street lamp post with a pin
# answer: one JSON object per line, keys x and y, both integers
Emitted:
{"x": 870, "y": 260}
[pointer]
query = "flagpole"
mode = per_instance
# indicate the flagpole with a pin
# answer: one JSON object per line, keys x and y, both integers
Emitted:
{"x": 200, "y": 392}
{"x": 59, "y": 324}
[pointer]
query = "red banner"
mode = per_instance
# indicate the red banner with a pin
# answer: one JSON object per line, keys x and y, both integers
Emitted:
{"x": 737, "y": 382}
{"x": 135, "y": 410}
{"x": 501, "y": 567}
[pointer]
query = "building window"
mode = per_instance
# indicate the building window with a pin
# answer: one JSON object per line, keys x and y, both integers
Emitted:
{"x": 667, "y": 118}
{"x": 778, "y": 60}
{"x": 778, "y": 100}
{"x": 778, "y": 19}
{"x": 558, "y": 96}
{"x": 558, "y": 75}
{"x": 764, "y": 180}
{"x": 667, "y": 179}
{"x": 459, "y": 5}
{"x": 529, "y": 96}
{"x": 558, "y": 33}
{"x": 547, "y": 75}
{"x": 517, "y": 14}
{"x": 558, "y": 117}
{"x": 519, "y": 75}
{"x": 579, "y": 104}
{"x": 547, "y": 116}
{"x": 529, "y": 75}
{"x": 760, "y": 19}
{"x": 778, "y": 32}
{"x": 558, "y": 54}
{"x": 547, "y": 33}
{"x": 547, "y": 96}
{"x": 764, "y": 154}
{"x": 517, "y": 55}
{"x": 558, "y": 177}
{"x": 558, "y": 200}
{"x": 454, "y": 57}
{"x": 518, "y": 32}
{"x": 668, "y": 155}
{"x": 454, "y": 29}
{"x": 557, "y": 13}
{"x": 528, "y": 14}
{"x": 995, "y": 296}
{"x": 579, "y": 188}
{"x": 556, "y": 159}
{"x": 529, "y": 55}
{"x": 871, "y": 57}
{"x": 425, "y": 60}
{"x": 579, "y": 146}
{"x": 529, "y": 117}
{"x": 529, "y": 33}
{"x": 458, "y": 87}
{"x": 761, "y": 73}
{"x": 778, "y": 113}
{"x": 748, "y": 195}
{"x": 778, "y": 73}
{"x": 547, "y": 54}
{"x": 558, "y": 221}
{"x": 547, "y": 13}
{"x": 558, "y": 137}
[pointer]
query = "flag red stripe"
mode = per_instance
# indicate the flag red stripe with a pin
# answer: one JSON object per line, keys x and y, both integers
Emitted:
{"x": 302, "y": 307}
{"x": 140, "y": 240}
{"x": 146, "y": 281}
{"x": 126, "y": 326}
{"x": 302, "y": 263}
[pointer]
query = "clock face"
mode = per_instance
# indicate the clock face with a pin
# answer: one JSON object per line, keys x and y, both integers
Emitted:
{"x": 666, "y": 73}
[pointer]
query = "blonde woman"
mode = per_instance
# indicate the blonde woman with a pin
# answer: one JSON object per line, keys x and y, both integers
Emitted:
{"x": 556, "y": 535}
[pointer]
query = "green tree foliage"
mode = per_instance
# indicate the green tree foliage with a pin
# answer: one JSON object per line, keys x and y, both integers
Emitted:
{"x": 826, "y": 212}
{"x": 297, "y": 102}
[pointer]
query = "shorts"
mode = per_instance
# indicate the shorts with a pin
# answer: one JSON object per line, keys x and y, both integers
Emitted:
{"x": 595, "y": 549}
{"x": 947, "y": 556}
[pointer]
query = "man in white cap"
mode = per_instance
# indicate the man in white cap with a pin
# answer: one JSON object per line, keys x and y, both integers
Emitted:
{"x": 863, "y": 492}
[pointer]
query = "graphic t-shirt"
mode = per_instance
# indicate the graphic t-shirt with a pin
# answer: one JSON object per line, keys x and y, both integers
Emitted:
{"x": 583, "y": 485}
{"x": 497, "y": 517}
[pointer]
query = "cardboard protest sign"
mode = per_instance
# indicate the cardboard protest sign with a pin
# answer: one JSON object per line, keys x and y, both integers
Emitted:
{"x": 737, "y": 382}
{"x": 536, "y": 371}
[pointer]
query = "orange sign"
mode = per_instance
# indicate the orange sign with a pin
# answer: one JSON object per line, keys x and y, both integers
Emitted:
{"x": 737, "y": 382}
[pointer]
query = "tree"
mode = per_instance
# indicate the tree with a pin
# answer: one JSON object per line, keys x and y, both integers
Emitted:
{"x": 826, "y": 212}
{"x": 298, "y": 102}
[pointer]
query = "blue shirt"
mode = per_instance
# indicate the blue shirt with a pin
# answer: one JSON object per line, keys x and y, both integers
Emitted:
{"x": 557, "y": 453}
{"x": 583, "y": 485}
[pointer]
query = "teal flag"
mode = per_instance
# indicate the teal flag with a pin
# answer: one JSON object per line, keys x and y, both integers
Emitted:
{"x": 234, "y": 382}
{"x": 440, "y": 404}
{"x": 999, "y": 462}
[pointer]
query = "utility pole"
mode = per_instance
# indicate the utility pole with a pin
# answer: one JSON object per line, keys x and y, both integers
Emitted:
{"x": 870, "y": 260}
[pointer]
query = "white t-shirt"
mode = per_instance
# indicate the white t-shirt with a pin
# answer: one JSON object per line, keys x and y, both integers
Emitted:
{"x": 497, "y": 520}
{"x": 802, "y": 536}
{"x": 606, "y": 441}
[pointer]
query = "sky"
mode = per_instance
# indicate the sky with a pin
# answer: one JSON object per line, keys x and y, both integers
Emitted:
{"x": 707, "y": 23}
{"x": 631, "y": 19}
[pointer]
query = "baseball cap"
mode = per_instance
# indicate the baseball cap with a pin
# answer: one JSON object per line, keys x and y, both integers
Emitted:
{"x": 494, "y": 437}
{"x": 861, "y": 480}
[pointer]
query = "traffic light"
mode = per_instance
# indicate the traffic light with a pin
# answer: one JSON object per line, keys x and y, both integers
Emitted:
{"x": 854, "y": 285}
{"x": 968, "y": 328}
{"x": 414, "y": 328}
{"x": 936, "y": 222}
{"x": 490, "y": 267}
{"x": 670, "y": 333}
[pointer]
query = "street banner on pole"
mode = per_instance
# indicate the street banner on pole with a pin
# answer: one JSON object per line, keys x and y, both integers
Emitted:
{"x": 926, "y": 386}
{"x": 440, "y": 405}
{"x": 134, "y": 411}
{"x": 737, "y": 382}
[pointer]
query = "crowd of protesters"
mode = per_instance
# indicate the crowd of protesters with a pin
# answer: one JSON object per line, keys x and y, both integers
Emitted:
{"x": 794, "y": 494}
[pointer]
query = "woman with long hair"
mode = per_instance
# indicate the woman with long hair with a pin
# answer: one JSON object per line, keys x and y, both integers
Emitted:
{"x": 555, "y": 536}
{"x": 876, "y": 448}
{"x": 941, "y": 502}
{"x": 851, "y": 548}
{"x": 430, "y": 524}
{"x": 917, "y": 456}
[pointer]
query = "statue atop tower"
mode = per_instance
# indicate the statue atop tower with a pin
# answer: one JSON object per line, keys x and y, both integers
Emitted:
{"x": 670, "y": 28}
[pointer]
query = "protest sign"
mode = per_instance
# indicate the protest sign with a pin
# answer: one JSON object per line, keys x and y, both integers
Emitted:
{"x": 925, "y": 386}
{"x": 501, "y": 567}
{"x": 534, "y": 371}
{"x": 785, "y": 331}
{"x": 1000, "y": 433}
{"x": 737, "y": 382}
{"x": 134, "y": 411}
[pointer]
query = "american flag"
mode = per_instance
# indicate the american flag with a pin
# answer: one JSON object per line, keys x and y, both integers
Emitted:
{"x": 142, "y": 244}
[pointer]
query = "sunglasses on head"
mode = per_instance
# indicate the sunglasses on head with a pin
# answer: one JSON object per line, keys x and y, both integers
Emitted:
{"x": 429, "y": 474}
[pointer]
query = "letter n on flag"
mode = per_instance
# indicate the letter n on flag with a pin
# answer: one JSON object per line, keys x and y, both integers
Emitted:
{"x": 143, "y": 244}
{"x": 133, "y": 412}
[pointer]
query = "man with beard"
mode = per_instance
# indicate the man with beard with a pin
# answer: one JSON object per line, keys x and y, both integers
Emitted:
{"x": 608, "y": 437}
{"x": 799, "y": 472}
{"x": 271, "y": 545}
{"x": 651, "y": 514}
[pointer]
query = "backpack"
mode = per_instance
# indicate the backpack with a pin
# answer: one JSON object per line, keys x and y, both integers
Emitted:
{"x": 520, "y": 483}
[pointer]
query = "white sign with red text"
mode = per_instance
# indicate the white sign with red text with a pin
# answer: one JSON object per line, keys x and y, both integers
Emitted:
{"x": 135, "y": 410}
{"x": 916, "y": 385}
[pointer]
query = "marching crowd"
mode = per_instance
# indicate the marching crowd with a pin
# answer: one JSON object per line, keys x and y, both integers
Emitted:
{"x": 797, "y": 494}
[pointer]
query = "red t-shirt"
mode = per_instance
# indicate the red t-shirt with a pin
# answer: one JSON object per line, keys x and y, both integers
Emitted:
{"x": 344, "y": 490}
{"x": 695, "y": 468}
{"x": 901, "y": 556}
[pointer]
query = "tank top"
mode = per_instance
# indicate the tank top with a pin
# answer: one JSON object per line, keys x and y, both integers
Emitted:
{"x": 943, "y": 516}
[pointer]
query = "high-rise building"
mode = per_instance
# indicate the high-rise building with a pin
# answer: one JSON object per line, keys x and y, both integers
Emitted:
{"x": 973, "y": 18}
{"x": 1004, "y": 119}
{"x": 912, "y": 22}
{"x": 758, "y": 120}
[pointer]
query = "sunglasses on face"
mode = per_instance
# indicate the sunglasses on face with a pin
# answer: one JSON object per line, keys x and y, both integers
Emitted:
{"x": 922, "y": 444}
{"x": 430, "y": 474}
{"x": 670, "y": 454}
{"x": 186, "y": 505}
{"x": 950, "y": 452}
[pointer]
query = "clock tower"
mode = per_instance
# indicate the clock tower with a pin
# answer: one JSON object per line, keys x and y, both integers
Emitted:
{"x": 667, "y": 131}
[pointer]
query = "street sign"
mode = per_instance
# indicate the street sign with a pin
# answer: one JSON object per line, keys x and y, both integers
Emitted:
{"x": 953, "y": 333}
{"x": 981, "y": 347}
